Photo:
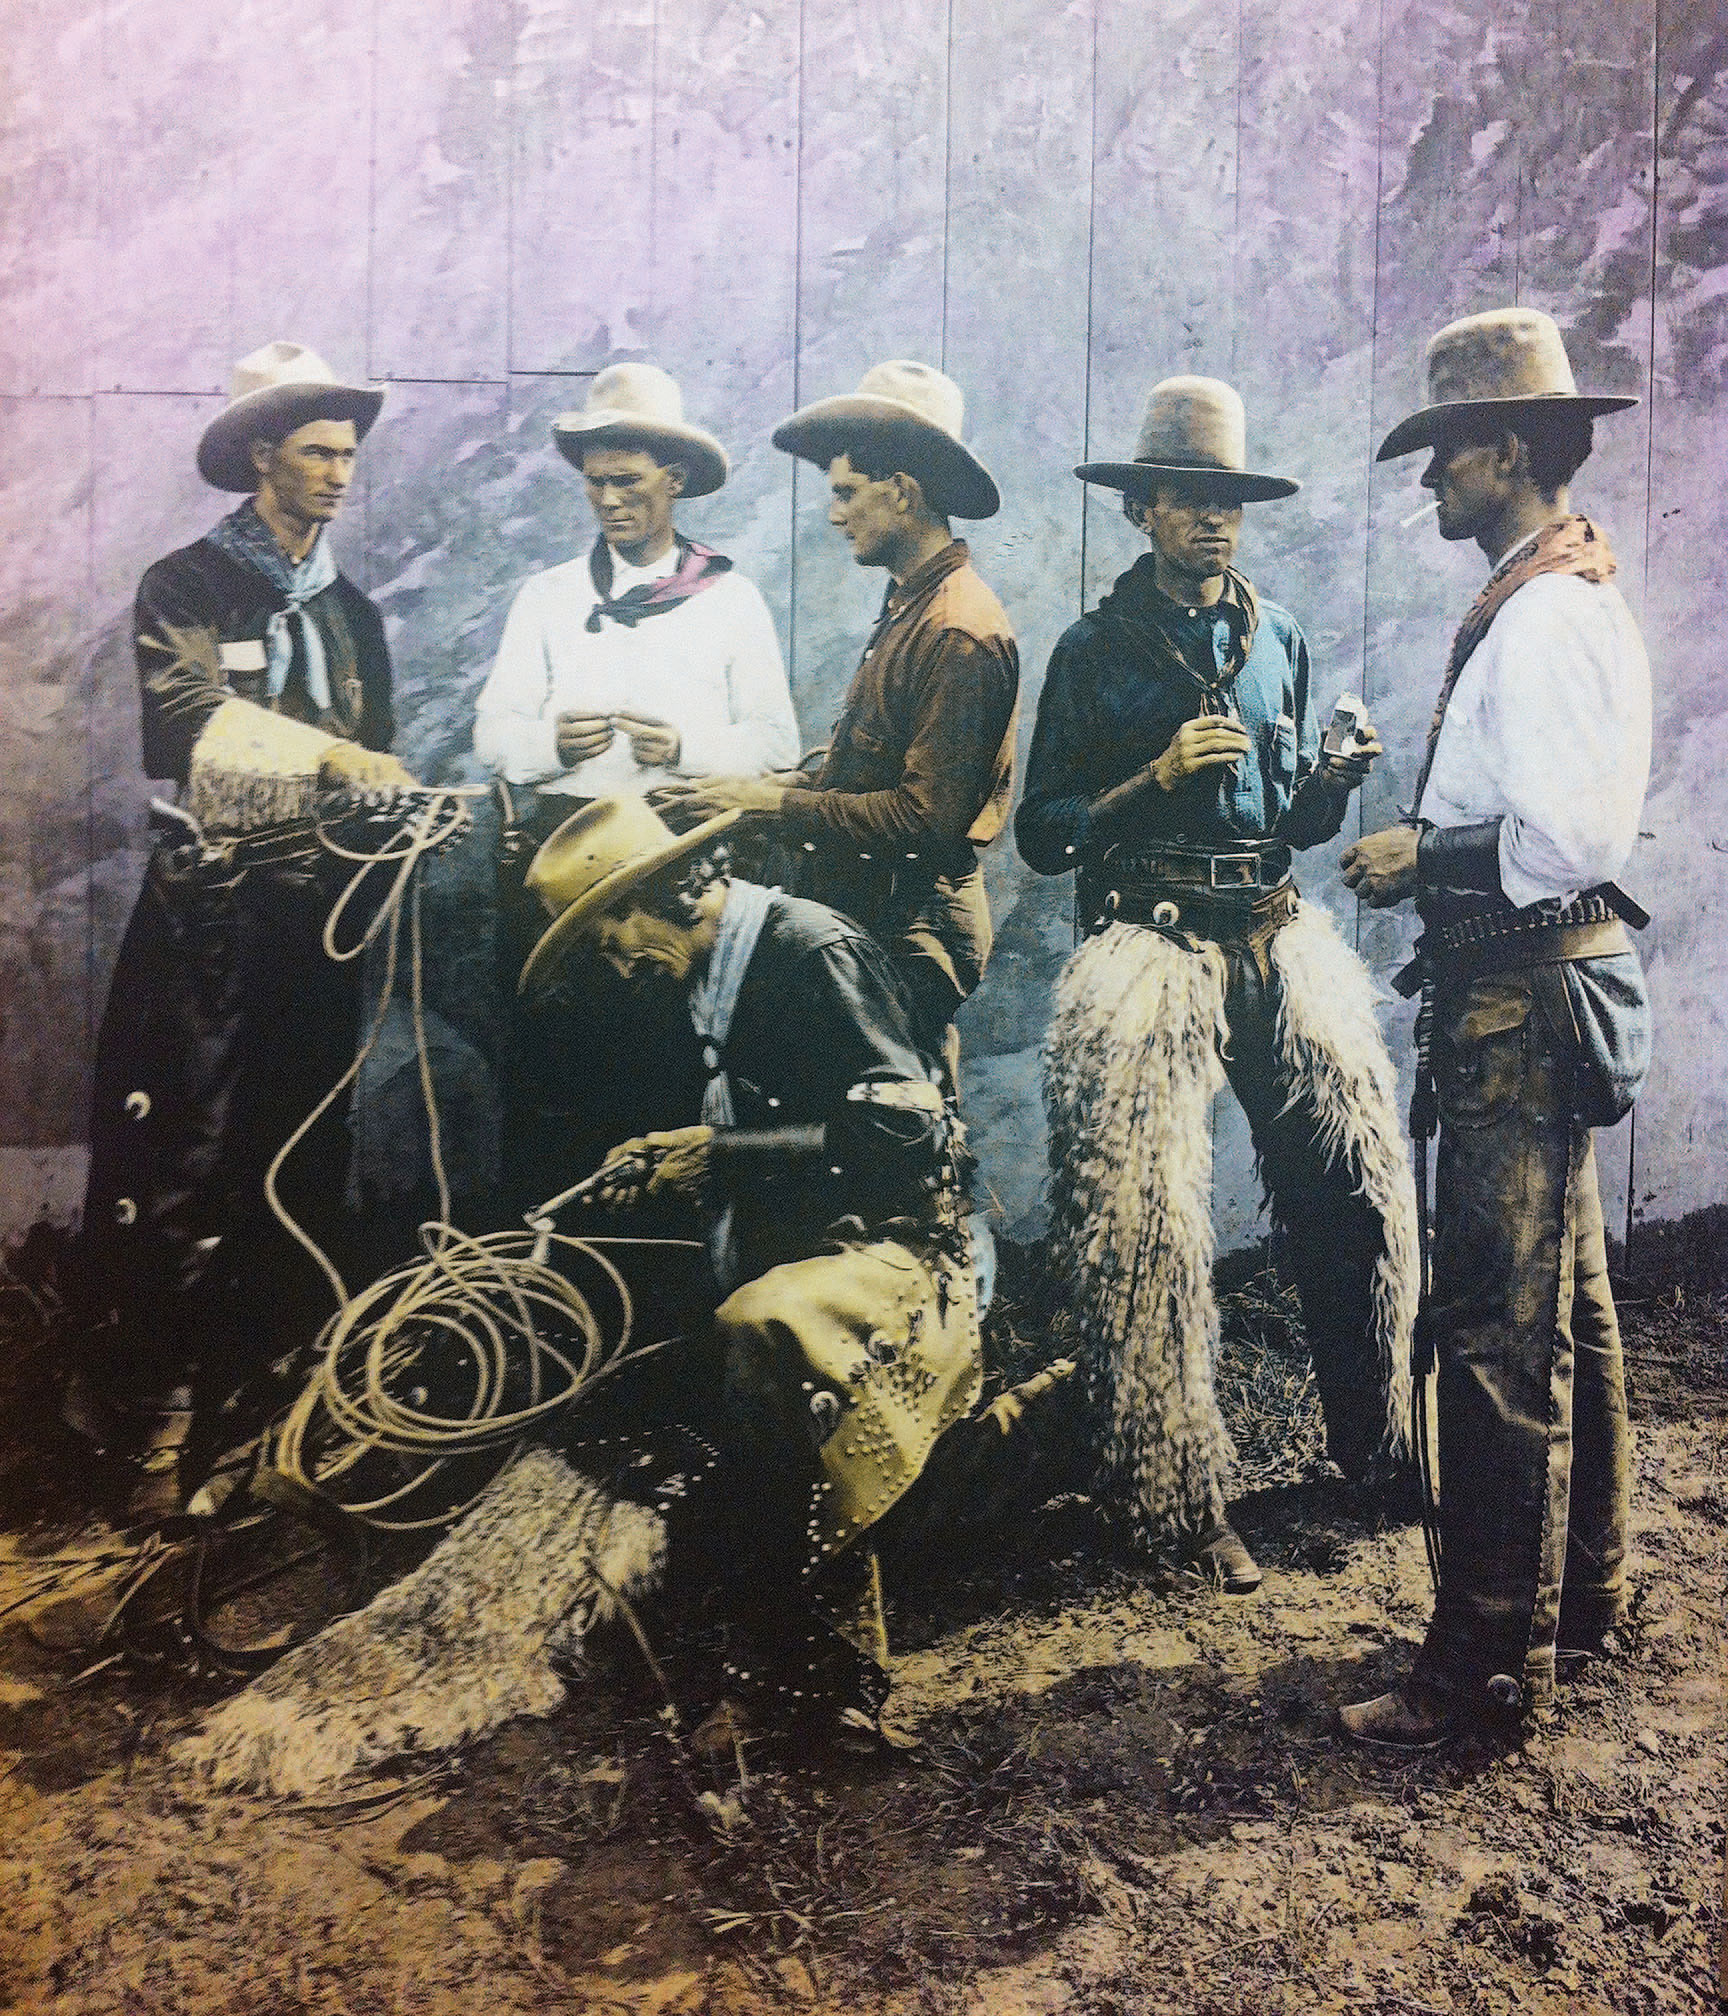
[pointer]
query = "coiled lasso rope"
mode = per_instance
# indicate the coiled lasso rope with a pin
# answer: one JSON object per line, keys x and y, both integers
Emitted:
{"x": 488, "y": 1319}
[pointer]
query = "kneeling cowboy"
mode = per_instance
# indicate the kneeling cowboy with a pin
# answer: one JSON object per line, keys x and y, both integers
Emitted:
{"x": 826, "y": 1172}
{"x": 1175, "y": 763}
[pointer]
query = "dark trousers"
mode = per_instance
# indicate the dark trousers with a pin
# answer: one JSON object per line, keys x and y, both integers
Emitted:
{"x": 1335, "y": 1237}
{"x": 226, "y": 1023}
{"x": 1535, "y": 1449}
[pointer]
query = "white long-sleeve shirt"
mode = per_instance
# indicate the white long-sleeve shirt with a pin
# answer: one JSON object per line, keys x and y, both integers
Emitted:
{"x": 1549, "y": 727}
{"x": 710, "y": 668}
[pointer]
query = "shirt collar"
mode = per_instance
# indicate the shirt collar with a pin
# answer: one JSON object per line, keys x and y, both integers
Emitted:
{"x": 1228, "y": 606}
{"x": 1510, "y": 557}
{"x": 624, "y": 575}
{"x": 922, "y": 579}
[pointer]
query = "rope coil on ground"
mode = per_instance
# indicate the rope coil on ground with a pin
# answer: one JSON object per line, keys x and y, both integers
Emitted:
{"x": 489, "y": 1317}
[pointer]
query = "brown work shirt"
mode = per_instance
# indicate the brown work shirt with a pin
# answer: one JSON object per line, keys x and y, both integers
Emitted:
{"x": 918, "y": 776}
{"x": 922, "y": 758}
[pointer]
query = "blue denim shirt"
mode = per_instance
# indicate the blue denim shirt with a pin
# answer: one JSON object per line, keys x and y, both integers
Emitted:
{"x": 1107, "y": 712}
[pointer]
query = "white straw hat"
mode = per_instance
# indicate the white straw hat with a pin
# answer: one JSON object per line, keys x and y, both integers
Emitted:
{"x": 276, "y": 389}
{"x": 911, "y": 414}
{"x": 640, "y": 406}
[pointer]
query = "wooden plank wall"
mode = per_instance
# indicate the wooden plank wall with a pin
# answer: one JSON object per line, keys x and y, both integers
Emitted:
{"x": 1058, "y": 201}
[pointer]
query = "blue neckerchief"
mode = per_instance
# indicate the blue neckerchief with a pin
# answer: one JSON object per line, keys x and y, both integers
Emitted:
{"x": 244, "y": 536}
{"x": 712, "y": 1002}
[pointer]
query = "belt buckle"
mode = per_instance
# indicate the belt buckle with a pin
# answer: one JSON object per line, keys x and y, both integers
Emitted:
{"x": 1244, "y": 871}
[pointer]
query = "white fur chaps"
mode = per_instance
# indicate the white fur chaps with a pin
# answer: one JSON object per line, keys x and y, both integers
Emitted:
{"x": 1131, "y": 1066}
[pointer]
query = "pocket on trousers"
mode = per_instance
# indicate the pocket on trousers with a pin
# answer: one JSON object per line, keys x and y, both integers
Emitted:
{"x": 1481, "y": 1055}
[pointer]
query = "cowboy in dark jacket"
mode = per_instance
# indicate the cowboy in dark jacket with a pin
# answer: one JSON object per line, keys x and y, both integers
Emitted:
{"x": 264, "y": 681}
{"x": 823, "y": 1170}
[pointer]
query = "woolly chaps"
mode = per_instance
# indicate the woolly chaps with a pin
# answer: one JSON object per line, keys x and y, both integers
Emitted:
{"x": 451, "y": 1651}
{"x": 1131, "y": 1066}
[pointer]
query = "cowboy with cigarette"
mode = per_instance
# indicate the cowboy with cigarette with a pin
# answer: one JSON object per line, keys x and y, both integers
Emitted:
{"x": 917, "y": 778}
{"x": 823, "y": 1172}
{"x": 645, "y": 661}
{"x": 1176, "y": 763}
{"x": 265, "y": 683}
{"x": 1535, "y": 1028}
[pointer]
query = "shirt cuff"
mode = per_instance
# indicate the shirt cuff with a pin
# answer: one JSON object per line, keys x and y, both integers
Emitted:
{"x": 801, "y": 812}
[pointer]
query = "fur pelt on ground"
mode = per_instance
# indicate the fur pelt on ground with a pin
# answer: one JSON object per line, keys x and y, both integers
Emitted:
{"x": 1131, "y": 1067}
{"x": 451, "y": 1651}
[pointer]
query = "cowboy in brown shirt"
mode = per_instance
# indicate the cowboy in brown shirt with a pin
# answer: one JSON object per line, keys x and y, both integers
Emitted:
{"x": 919, "y": 773}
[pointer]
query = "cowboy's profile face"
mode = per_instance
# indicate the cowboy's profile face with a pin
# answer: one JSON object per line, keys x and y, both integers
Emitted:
{"x": 640, "y": 946}
{"x": 308, "y": 472}
{"x": 632, "y": 496}
{"x": 1469, "y": 481}
{"x": 1195, "y": 529}
{"x": 868, "y": 513}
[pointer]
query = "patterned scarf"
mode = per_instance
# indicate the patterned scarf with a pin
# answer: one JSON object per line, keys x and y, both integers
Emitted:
{"x": 1568, "y": 546}
{"x": 712, "y": 1002}
{"x": 1136, "y": 609}
{"x": 698, "y": 567}
{"x": 244, "y": 536}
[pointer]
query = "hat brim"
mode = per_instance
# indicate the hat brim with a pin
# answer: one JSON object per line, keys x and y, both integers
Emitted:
{"x": 558, "y": 937}
{"x": 1419, "y": 430}
{"x": 223, "y": 458}
{"x": 1237, "y": 486}
{"x": 704, "y": 460}
{"x": 955, "y": 482}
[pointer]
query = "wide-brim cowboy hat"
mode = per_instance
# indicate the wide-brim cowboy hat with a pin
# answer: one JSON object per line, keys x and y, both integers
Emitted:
{"x": 1509, "y": 361}
{"x": 273, "y": 391}
{"x": 1194, "y": 428}
{"x": 906, "y": 414}
{"x": 640, "y": 406}
{"x": 598, "y": 855}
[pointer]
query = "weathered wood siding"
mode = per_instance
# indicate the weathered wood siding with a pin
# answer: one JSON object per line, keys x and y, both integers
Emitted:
{"x": 1056, "y": 200}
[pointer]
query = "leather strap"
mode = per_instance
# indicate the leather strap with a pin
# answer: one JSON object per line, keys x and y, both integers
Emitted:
{"x": 1551, "y": 946}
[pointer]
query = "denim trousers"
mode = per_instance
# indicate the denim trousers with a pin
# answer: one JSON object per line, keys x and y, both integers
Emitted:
{"x": 1535, "y": 1449}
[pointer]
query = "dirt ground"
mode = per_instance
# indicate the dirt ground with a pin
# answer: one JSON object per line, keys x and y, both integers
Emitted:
{"x": 1128, "y": 1795}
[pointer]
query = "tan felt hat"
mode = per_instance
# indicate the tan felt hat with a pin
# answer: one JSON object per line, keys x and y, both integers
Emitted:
{"x": 911, "y": 414}
{"x": 1494, "y": 363}
{"x": 281, "y": 383}
{"x": 1192, "y": 427}
{"x": 598, "y": 855}
{"x": 640, "y": 406}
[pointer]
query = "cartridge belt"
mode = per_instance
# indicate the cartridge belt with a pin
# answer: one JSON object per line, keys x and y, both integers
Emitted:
{"x": 1464, "y": 940}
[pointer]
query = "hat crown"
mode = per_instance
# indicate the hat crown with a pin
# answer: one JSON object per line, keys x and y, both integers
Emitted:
{"x": 930, "y": 393}
{"x": 278, "y": 363}
{"x": 635, "y": 392}
{"x": 1193, "y": 423}
{"x": 594, "y": 845}
{"x": 1508, "y": 353}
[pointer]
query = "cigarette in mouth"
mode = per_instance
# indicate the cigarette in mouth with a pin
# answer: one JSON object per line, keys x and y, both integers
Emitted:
{"x": 1416, "y": 517}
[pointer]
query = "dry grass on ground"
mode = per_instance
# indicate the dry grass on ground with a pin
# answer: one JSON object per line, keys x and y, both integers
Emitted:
{"x": 1128, "y": 1796}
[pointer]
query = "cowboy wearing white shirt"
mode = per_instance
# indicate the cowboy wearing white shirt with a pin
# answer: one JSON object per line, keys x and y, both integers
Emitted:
{"x": 1538, "y": 1030}
{"x": 650, "y": 657}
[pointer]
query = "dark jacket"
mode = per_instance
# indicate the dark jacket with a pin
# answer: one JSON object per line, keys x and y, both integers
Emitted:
{"x": 819, "y": 1012}
{"x": 1124, "y": 679}
{"x": 198, "y": 599}
{"x": 225, "y": 1022}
